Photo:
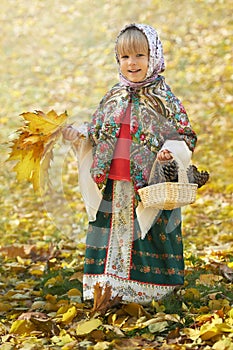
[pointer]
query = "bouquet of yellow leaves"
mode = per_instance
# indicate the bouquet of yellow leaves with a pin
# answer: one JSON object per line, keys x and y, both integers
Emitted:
{"x": 33, "y": 149}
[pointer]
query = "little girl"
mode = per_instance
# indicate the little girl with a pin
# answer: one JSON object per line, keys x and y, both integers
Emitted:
{"x": 135, "y": 250}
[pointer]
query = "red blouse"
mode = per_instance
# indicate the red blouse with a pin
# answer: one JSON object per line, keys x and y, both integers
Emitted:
{"x": 120, "y": 166}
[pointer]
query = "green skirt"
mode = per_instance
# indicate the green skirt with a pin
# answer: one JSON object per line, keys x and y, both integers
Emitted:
{"x": 139, "y": 270}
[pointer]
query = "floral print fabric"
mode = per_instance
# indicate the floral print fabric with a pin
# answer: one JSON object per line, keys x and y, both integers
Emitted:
{"x": 157, "y": 115}
{"x": 138, "y": 270}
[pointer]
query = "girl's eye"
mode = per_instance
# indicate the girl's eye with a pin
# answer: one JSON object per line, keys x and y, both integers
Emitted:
{"x": 124, "y": 57}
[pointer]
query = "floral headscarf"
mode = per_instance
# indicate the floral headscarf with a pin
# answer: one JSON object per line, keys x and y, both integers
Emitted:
{"x": 156, "y": 59}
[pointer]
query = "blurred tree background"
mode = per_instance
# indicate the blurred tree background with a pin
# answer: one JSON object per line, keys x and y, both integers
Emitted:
{"x": 59, "y": 54}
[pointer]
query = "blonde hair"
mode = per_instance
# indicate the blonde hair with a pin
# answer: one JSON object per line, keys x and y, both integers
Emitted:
{"x": 132, "y": 40}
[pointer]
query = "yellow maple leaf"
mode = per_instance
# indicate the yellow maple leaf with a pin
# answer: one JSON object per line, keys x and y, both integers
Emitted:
{"x": 27, "y": 166}
{"x": 41, "y": 123}
{"x": 18, "y": 147}
{"x": 33, "y": 149}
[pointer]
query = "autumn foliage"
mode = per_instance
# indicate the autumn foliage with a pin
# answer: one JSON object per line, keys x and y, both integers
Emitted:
{"x": 33, "y": 149}
{"x": 46, "y": 307}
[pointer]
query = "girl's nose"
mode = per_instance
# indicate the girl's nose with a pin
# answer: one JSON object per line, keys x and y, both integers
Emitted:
{"x": 132, "y": 60}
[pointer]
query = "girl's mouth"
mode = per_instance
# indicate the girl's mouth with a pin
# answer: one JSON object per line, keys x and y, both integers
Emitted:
{"x": 134, "y": 71}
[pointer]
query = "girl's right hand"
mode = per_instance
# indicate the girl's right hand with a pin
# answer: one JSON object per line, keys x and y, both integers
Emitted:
{"x": 70, "y": 134}
{"x": 164, "y": 155}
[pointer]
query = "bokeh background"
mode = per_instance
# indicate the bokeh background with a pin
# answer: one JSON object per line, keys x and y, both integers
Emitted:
{"x": 59, "y": 54}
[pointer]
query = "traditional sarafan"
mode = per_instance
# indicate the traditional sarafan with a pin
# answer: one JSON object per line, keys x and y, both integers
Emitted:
{"x": 137, "y": 251}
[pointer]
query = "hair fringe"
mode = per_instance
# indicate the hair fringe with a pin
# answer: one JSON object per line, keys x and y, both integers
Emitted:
{"x": 132, "y": 40}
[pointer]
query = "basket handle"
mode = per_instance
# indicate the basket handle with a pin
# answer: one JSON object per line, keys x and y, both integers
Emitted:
{"x": 182, "y": 171}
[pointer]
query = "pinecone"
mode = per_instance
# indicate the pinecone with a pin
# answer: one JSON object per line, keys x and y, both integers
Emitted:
{"x": 196, "y": 176}
{"x": 168, "y": 172}
{"x": 165, "y": 172}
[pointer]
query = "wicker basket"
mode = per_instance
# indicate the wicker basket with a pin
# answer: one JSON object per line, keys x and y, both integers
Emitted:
{"x": 169, "y": 195}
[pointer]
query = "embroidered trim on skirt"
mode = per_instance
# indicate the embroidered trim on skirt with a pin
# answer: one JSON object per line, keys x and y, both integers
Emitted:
{"x": 138, "y": 270}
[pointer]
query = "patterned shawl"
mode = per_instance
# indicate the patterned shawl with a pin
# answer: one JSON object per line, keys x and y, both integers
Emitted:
{"x": 156, "y": 116}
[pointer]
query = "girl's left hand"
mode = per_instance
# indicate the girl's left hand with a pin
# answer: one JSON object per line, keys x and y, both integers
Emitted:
{"x": 70, "y": 133}
{"x": 164, "y": 155}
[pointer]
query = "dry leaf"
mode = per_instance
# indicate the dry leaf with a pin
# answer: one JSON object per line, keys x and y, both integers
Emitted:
{"x": 33, "y": 147}
{"x": 225, "y": 344}
{"x": 192, "y": 294}
{"x": 102, "y": 299}
{"x": 69, "y": 315}
{"x": 24, "y": 327}
{"x": 227, "y": 271}
{"x": 158, "y": 327}
{"x": 44, "y": 124}
{"x": 86, "y": 327}
{"x": 134, "y": 309}
{"x": 209, "y": 279}
{"x": 219, "y": 304}
{"x": 74, "y": 292}
{"x": 38, "y": 320}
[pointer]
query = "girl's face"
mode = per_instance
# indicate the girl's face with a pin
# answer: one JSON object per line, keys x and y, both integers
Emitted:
{"x": 134, "y": 65}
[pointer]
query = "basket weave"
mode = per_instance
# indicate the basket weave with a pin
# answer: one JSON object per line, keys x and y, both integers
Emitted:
{"x": 169, "y": 195}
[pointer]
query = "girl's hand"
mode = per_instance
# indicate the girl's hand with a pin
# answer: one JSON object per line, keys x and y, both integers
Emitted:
{"x": 70, "y": 133}
{"x": 164, "y": 155}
